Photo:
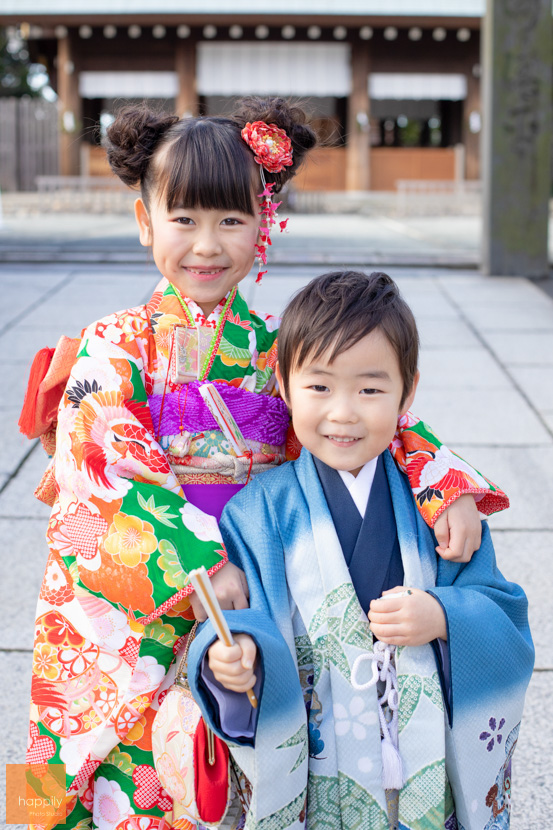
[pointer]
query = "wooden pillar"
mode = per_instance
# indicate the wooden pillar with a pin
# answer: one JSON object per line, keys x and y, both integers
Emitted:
{"x": 185, "y": 67}
{"x": 357, "y": 150}
{"x": 517, "y": 137}
{"x": 70, "y": 109}
{"x": 472, "y": 121}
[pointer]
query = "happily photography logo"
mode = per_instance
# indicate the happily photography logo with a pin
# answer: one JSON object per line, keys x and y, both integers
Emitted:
{"x": 35, "y": 794}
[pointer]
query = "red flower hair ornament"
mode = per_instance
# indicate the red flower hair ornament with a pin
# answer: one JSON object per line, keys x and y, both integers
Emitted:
{"x": 272, "y": 150}
{"x": 271, "y": 146}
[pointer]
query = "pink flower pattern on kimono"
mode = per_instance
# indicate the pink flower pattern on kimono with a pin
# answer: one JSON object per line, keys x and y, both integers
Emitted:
{"x": 147, "y": 676}
{"x": 149, "y": 792}
{"x": 111, "y": 804}
{"x": 40, "y": 748}
{"x": 82, "y": 529}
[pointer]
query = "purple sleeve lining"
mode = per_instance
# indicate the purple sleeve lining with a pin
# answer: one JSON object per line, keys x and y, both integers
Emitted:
{"x": 237, "y": 716}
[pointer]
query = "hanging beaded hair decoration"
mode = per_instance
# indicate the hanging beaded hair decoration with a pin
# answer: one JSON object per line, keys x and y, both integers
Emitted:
{"x": 273, "y": 152}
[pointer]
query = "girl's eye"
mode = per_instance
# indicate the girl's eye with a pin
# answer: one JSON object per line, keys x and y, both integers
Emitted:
{"x": 370, "y": 391}
{"x": 184, "y": 220}
{"x": 231, "y": 221}
{"x": 318, "y": 388}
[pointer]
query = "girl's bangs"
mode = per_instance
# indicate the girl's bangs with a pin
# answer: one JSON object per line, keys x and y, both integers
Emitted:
{"x": 207, "y": 167}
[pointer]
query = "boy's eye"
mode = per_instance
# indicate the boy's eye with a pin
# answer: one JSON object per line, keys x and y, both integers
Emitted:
{"x": 369, "y": 391}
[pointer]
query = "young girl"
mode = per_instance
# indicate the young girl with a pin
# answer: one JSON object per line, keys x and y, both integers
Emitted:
{"x": 141, "y": 470}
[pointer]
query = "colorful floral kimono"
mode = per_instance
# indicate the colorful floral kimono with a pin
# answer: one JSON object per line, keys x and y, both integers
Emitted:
{"x": 316, "y": 758}
{"x": 136, "y": 452}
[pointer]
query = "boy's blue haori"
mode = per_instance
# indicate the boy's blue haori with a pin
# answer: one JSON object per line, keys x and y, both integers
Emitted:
{"x": 315, "y": 761}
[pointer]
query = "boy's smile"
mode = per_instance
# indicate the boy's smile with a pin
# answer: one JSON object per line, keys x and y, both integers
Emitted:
{"x": 204, "y": 253}
{"x": 346, "y": 412}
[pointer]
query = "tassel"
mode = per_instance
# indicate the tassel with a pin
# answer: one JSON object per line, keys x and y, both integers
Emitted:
{"x": 38, "y": 372}
{"x": 392, "y": 766}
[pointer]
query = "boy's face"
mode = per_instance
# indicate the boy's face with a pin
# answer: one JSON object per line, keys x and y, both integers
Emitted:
{"x": 345, "y": 412}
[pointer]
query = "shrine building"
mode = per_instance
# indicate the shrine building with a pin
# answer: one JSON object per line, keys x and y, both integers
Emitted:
{"x": 393, "y": 86}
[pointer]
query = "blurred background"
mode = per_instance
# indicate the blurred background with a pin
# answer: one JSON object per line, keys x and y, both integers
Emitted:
{"x": 395, "y": 95}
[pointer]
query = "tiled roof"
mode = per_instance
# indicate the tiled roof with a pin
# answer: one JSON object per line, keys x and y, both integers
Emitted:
{"x": 443, "y": 8}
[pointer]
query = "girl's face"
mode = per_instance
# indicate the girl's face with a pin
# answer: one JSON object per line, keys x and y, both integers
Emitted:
{"x": 203, "y": 253}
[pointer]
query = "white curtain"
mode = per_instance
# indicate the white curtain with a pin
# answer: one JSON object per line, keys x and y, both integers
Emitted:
{"x": 274, "y": 68}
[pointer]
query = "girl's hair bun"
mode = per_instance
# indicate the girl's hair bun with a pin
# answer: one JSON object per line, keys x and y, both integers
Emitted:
{"x": 131, "y": 141}
{"x": 289, "y": 117}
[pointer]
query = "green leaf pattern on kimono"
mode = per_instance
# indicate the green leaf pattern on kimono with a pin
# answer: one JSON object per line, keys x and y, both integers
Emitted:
{"x": 299, "y": 738}
{"x": 161, "y": 633}
{"x": 410, "y": 689}
{"x": 262, "y": 377}
{"x": 337, "y": 656}
{"x": 433, "y": 690}
{"x": 74, "y": 571}
{"x": 341, "y": 802}
{"x": 240, "y": 353}
{"x": 347, "y": 627}
{"x": 160, "y": 512}
{"x": 169, "y": 562}
{"x": 355, "y": 626}
{"x": 428, "y": 786}
{"x": 319, "y": 658}
{"x": 282, "y": 818}
{"x": 121, "y": 760}
{"x": 229, "y": 350}
{"x": 336, "y": 596}
{"x": 304, "y": 652}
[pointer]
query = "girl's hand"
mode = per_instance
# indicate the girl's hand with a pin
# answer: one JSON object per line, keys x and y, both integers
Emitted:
{"x": 233, "y": 666}
{"x": 407, "y": 620}
{"x": 459, "y": 530}
{"x": 231, "y": 589}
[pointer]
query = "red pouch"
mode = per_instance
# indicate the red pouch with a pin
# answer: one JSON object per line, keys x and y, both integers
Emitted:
{"x": 211, "y": 774}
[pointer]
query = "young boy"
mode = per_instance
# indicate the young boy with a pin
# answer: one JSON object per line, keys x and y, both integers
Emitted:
{"x": 407, "y": 719}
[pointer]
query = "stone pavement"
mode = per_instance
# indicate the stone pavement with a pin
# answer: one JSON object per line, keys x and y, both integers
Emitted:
{"x": 486, "y": 388}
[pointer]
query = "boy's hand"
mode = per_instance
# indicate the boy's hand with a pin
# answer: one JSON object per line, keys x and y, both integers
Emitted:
{"x": 231, "y": 589}
{"x": 232, "y": 666}
{"x": 459, "y": 530}
{"x": 408, "y": 620}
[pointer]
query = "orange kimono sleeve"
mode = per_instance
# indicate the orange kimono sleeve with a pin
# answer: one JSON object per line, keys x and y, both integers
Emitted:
{"x": 437, "y": 475}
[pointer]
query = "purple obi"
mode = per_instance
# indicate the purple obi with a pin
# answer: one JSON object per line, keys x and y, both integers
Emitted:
{"x": 260, "y": 417}
{"x": 211, "y": 498}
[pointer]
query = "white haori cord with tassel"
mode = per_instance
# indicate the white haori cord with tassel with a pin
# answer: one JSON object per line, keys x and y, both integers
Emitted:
{"x": 383, "y": 669}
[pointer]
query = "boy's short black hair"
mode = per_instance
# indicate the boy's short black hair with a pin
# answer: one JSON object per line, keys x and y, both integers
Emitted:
{"x": 337, "y": 310}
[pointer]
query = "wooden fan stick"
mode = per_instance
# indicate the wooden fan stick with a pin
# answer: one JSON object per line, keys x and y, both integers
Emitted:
{"x": 206, "y": 595}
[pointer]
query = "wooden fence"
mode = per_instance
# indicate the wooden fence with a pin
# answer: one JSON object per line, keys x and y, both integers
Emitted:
{"x": 29, "y": 142}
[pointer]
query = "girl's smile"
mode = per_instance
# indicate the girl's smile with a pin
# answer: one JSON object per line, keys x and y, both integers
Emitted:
{"x": 204, "y": 253}
{"x": 205, "y": 273}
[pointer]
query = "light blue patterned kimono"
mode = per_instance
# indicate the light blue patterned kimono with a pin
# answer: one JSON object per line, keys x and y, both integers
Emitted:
{"x": 316, "y": 760}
